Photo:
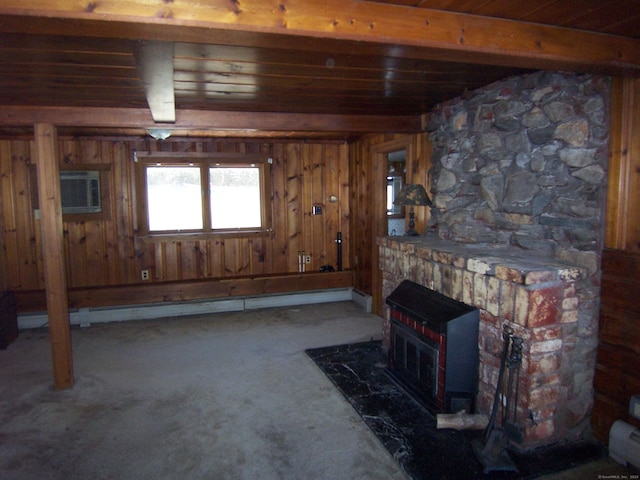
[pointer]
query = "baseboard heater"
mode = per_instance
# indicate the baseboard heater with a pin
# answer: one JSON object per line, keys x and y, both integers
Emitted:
{"x": 624, "y": 443}
{"x": 84, "y": 317}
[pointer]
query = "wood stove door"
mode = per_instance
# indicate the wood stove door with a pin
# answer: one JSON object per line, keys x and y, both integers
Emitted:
{"x": 415, "y": 361}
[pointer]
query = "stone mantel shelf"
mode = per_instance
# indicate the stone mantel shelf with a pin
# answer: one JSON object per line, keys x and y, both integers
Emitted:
{"x": 505, "y": 263}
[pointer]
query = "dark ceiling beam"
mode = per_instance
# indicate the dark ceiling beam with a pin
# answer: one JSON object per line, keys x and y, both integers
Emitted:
{"x": 386, "y": 29}
{"x": 189, "y": 120}
{"x": 155, "y": 65}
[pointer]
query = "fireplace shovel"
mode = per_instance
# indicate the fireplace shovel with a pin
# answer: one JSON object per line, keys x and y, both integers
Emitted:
{"x": 491, "y": 451}
{"x": 509, "y": 422}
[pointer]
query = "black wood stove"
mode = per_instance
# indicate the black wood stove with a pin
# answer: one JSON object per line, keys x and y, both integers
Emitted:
{"x": 434, "y": 348}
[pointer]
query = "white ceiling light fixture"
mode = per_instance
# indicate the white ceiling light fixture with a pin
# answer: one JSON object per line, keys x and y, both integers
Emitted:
{"x": 159, "y": 133}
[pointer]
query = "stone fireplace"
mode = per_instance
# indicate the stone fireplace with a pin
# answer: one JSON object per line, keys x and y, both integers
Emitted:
{"x": 518, "y": 187}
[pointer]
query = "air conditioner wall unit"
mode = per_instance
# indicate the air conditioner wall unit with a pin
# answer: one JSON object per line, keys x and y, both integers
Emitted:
{"x": 80, "y": 191}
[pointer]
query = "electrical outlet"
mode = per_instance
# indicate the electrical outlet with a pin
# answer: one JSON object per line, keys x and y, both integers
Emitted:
{"x": 144, "y": 274}
{"x": 307, "y": 259}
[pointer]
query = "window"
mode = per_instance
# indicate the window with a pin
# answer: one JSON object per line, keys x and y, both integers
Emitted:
{"x": 203, "y": 195}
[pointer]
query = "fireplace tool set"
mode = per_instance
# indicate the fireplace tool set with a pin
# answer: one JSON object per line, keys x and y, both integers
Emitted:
{"x": 491, "y": 451}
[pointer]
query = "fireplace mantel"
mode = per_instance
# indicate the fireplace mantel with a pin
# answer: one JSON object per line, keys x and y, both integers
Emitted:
{"x": 536, "y": 296}
{"x": 505, "y": 263}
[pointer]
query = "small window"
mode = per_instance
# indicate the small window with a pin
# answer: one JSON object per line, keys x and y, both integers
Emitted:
{"x": 202, "y": 195}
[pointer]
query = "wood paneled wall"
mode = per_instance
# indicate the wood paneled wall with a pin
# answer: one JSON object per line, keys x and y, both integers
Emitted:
{"x": 617, "y": 377}
{"x": 623, "y": 198}
{"x": 365, "y": 193}
{"x": 617, "y": 374}
{"x": 109, "y": 253}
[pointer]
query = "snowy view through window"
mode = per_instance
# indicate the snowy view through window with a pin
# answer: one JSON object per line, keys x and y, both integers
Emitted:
{"x": 175, "y": 198}
{"x": 235, "y": 197}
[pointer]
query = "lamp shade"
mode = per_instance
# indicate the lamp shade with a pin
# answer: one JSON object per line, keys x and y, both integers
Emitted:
{"x": 412, "y": 194}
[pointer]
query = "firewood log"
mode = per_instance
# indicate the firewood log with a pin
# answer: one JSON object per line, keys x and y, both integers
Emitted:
{"x": 462, "y": 421}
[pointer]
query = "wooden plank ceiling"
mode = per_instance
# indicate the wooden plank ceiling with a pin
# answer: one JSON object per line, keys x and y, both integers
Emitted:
{"x": 615, "y": 17}
{"x": 40, "y": 67}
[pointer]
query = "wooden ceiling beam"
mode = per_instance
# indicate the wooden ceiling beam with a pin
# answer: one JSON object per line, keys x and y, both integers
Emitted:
{"x": 155, "y": 65}
{"x": 391, "y": 30}
{"x": 207, "y": 120}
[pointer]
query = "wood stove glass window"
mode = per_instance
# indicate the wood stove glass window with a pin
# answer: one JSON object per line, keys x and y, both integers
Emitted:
{"x": 416, "y": 359}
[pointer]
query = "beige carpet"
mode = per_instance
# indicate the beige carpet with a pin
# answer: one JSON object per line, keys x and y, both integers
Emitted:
{"x": 224, "y": 396}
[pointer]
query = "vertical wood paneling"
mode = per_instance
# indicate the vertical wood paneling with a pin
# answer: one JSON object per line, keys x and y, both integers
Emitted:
{"x": 4, "y": 280}
{"x": 317, "y": 245}
{"x": 171, "y": 259}
{"x": 9, "y": 242}
{"x": 107, "y": 252}
{"x": 366, "y": 224}
{"x": 332, "y": 212}
{"x": 25, "y": 214}
{"x": 344, "y": 205}
{"x": 294, "y": 206}
{"x": 216, "y": 262}
{"x": 280, "y": 240}
{"x": 616, "y": 379}
{"x": 124, "y": 217}
{"x": 623, "y": 202}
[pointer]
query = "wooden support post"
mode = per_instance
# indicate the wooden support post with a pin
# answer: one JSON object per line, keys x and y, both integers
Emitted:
{"x": 46, "y": 142}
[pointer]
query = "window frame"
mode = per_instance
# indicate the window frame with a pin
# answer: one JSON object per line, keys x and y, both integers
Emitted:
{"x": 204, "y": 161}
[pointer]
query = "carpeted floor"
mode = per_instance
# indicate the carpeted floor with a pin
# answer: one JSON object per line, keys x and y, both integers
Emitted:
{"x": 409, "y": 432}
{"x": 225, "y": 396}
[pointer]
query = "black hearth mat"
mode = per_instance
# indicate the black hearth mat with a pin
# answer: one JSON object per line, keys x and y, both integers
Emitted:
{"x": 409, "y": 432}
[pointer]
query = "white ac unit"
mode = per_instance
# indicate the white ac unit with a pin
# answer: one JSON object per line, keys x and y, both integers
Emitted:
{"x": 624, "y": 443}
{"x": 80, "y": 191}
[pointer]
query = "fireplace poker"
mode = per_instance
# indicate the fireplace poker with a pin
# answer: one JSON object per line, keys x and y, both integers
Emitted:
{"x": 510, "y": 425}
{"x": 492, "y": 451}
{"x": 507, "y": 333}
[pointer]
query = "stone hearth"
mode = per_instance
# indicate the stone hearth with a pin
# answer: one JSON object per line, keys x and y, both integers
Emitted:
{"x": 537, "y": 297}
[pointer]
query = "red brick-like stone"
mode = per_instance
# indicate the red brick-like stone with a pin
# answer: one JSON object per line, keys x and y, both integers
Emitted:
{"x": 539, "y": 381}
{"x": 570, "y": 317}
{"x": 545, "y": 333}
{"x": 539, "y": 432}
{"x": 490, "y": 319}
{"x": 459, "y": 262}
{"x": 479, "y": 266}
{"x": 467, "y": 288}
{"x": 544, "y": 306}
{"x": 480, "y": 290}
{"x": 456, "y": 284}
{"x": 570, "y": 303}
{"x": 509, "y": 274}
{"x": 543, "y": 396}
{"x": 546, "y": 346}
{"x": 493, "y": 296}
{"x": 541, "y": 276}
{"x": 441, "y": 257}
{"x": 521, "y": 310}
{"x": 507, "y": 300}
